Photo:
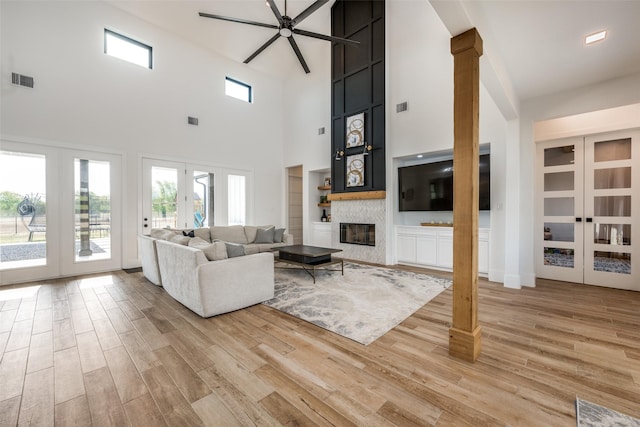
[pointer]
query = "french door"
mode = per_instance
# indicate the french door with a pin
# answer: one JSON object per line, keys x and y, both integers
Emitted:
{"x": 587, "y": 226}
{"x": 60, "y": 213}
{"x": 177, "y": 195}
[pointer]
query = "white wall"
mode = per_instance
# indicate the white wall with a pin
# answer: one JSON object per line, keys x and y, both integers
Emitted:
{"x": 85, "y": 98}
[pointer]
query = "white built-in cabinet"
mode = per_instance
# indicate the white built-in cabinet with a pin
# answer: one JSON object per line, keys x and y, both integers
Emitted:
{"x": 432, "y": 247}
{"x": 321, "y": 234}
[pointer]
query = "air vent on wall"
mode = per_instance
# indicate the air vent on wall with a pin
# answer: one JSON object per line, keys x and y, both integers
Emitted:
{"x": 21, "y": 80}
{"x": 403, "y": 106}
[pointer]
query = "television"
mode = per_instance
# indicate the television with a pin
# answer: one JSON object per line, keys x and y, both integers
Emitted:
{"x": 429, "y": 186}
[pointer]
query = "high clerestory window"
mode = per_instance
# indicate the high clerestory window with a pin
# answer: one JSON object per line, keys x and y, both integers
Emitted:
{"x": 128, "y": 49}
{"x": 238, "y": 90}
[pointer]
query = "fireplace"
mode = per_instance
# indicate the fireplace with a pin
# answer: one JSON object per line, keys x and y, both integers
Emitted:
{"x": 358, "y": 234}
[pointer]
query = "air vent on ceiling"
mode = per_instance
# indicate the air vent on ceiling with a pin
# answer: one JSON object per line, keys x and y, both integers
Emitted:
{"x": 192, "y": 121}
{"x": 403, "y": 106}
{"x": 21, "y": 80}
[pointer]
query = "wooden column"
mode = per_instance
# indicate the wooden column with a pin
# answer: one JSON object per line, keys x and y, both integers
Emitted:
{"x": 464, "y": 335}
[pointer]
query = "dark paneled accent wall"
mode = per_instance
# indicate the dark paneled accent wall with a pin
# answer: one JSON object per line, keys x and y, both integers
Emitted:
{"x": 358, "y": 87}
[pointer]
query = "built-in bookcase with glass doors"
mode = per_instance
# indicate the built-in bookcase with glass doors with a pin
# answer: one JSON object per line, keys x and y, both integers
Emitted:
{"x": 587, "y": 210}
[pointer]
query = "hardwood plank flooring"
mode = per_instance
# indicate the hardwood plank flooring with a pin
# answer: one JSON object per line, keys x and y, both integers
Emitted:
{"x": 113, "y": 349}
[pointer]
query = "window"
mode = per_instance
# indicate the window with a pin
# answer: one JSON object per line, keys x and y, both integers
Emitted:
{"x": 127, "y": 49}
{"x": 238, "y": 90}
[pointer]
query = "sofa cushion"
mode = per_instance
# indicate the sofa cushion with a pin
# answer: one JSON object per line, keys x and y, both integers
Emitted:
{"x": 181, "y": 240}
{"x": 264, "y": 235}
{"x": 251, "y": 230}
{"x": 234, "y": 250}
{"x": 162, "y": 233}
{"x": 278, "y": 235}
{"x": 215, "y": 251}
{"x": 251, "y": 248}
{"x": 230, "y": 233}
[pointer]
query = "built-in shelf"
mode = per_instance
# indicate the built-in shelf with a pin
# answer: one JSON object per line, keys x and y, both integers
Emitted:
{"x": 361, "y": 195}
{"x": 324, "y": 187}
{"x": 325, "y": 205}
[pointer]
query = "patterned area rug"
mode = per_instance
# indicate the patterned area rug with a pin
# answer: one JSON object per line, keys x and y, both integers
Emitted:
{"x": 591, "y": 415}
{"x": 362, "y": 305}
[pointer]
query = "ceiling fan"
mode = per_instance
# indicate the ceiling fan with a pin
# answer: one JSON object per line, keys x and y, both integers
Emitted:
{"x": 286, "y": 28}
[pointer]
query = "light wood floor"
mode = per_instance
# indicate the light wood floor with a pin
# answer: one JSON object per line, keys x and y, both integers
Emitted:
{"x": 113, "y": 349}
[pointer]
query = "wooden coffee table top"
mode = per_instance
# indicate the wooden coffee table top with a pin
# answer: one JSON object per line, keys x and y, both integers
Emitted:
{"x": 306, "y": 250}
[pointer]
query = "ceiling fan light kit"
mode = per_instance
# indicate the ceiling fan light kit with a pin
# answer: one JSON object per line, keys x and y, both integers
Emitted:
{"x": 286, "y": 28}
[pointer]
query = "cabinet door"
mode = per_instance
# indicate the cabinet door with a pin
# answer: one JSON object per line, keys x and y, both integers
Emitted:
{"x": 483, "y": 256}
{"x": 427, "y": 250}
{"x": 445, "y": 251}
{"x": 406, "y": 248}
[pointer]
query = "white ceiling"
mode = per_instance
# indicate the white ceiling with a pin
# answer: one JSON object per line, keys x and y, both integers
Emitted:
{"x": 535, "y": 45}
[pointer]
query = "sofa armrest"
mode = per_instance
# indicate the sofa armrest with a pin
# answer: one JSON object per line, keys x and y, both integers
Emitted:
{"x": 235, "y": 283}
{"x": 149, "y": 259}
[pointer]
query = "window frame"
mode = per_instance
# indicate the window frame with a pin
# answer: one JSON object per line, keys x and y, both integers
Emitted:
{"x": 128, "y": 40}
{"x": 239, "y": 83}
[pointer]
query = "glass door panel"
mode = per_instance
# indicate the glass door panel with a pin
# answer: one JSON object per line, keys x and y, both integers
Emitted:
{"x": 90, "y": 220}
{"x": 23, "y": 210}
{"x": 203, "y": 197}
{"x": 164, "y": 194}
{"x": 92, "y": 228}
{"x": 612, "y": 184}
{"x": 559, "y": 213}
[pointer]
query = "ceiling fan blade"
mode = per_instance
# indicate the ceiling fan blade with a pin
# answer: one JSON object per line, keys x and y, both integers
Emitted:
{"x": 329, "y": 38}
{"x": 261, "y": 48}
{"x": 241, "y": 21}
{"x": 295, "y": 48}
{"x": 308, "y": 11}
{"x": 275, "y": 11}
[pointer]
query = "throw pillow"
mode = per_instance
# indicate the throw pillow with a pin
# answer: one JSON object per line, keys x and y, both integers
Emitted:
{"x": 189, "y": 234}
{"x": 181, "y": 240}
{"x": 265, "y": 235}
{"x": 234, "y": 250}
{"x": 197, "y": 241}
{"x": 213, "y": 251}
{"x": 278, "y": 235}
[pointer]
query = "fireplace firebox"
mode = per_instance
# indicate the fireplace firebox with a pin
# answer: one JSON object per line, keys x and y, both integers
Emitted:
{"x": 358, "y": 234}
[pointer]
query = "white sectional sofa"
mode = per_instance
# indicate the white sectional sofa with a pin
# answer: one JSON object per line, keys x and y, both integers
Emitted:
{"x": 209, "y": 288}
{"x": 247, "y": 236}
{"x": 213, "y": 270}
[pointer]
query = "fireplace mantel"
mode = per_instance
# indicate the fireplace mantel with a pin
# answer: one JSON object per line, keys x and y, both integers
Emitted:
{"x": 360, "y": 195}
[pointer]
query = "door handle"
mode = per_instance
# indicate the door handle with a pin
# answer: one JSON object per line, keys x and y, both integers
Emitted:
{"x": 589, "y": 219}
{"x": 578, "y": 219}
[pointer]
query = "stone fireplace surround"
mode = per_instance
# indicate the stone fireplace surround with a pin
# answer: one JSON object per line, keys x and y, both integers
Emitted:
{"x": 371, "y": 211}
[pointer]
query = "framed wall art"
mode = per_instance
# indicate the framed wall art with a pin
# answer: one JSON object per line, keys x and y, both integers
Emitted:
{"x": 355, "y": 131}
{"x": 355, "y": 170}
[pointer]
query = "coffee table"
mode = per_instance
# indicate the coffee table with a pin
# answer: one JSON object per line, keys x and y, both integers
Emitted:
{"x": 310, "y": 258}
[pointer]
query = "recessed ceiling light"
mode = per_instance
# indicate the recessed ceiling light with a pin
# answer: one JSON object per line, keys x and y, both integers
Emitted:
{"x": 595, "y": 37}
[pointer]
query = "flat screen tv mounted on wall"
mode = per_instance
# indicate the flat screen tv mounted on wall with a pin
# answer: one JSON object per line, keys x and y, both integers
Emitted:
{"x": 429, "y": 186}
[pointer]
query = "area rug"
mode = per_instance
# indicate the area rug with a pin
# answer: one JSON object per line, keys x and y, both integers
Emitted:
{"x": 362, "y": 305}
{"x": 591, "y": 415}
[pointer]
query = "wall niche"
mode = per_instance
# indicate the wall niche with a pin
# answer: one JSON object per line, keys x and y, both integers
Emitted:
{"x": 357, "y": 73}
